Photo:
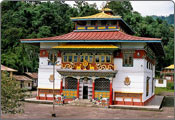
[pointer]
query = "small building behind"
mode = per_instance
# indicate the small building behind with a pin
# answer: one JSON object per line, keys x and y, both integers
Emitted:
{"x": 34, "y": 77}
{"x": 25, "y": 82}
{"x": 168, "y": 73}
{"x": 167, "y": 76}
{"x": 7, "y": 69}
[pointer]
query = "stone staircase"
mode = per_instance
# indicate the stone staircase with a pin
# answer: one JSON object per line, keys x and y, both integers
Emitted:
{"x": 83, "y": 102}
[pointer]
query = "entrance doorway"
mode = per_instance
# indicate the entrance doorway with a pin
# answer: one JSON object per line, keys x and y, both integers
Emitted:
{"x": 85, "y": 92}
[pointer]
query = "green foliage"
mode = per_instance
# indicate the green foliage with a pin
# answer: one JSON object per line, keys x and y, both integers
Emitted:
{"x": 45, "y": 19}
{"x": 11, "y": 95}
{"x": 85, "y": 9}
{"x": 169, "y": 19}
{"x": 159, "y": 90}
{"x": 120, "y": 8}
{"x": 170, "y": 85}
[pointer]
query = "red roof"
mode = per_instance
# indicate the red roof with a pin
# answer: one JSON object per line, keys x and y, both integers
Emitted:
{"x": 94, "y": 35}
{"x": 4, "y": 68}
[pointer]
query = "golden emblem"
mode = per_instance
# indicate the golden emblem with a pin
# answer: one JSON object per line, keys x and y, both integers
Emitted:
{"x": 127, "y": 81}
{"x": 85, "y": 63}
{"x": 51, "y": 78}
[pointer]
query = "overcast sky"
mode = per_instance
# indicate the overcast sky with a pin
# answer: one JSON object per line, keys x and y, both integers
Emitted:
{"x": 158, "y": 8}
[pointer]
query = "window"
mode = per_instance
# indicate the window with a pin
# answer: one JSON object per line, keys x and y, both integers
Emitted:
{"x": 28, "y": 84}
{"x": 81, "y": 58}
{"x": 160, "y": 81}
{"x": 102, "y": 58}
{"x": 147, "y": 65}
{"x": 90, "y": 59}
{"x": 75, "y": 58}
{"x": 108, "y": 59}
{"x": 152, "y": 85}
{"x": 65, "y": 59}
{"x": 147, "y": 86}
{"x": 70, "y": 59}
{"x": 97, "y": 59}
{"x": 128, "y": 60}
{"x": 52, "y": 58}
{"x": 86, "y": 58}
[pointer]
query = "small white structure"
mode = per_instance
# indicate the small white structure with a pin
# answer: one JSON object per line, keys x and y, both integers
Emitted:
{"x": 161, "y": 83}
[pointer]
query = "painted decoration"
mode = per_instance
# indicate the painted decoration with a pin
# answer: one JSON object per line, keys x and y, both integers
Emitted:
{"x": 51, "y": 78}
{"x": 85, "y": 63}
{"x": 127, "y": 81}
{"x": 70, "y": 93}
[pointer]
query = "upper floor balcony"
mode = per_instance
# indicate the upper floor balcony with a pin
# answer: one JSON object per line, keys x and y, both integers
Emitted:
{"x": 87, "y": 61}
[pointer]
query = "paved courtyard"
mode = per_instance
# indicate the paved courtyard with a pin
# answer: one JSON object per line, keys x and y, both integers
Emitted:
{"x": 34, "y": 111}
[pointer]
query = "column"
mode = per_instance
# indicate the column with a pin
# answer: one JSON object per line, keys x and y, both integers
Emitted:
{"x": 78, "y": 83}
{"x": 61, "y": 85}
{"x": 93, "y": 88}
{"x": 111, "y": 95}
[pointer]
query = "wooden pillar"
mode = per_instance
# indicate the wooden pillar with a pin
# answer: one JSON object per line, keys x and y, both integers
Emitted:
{"x": 11, "y": 74}
{"x": 78, "y": 83}
{"x": 93, "y": 88}
{"x": 61, "y": 86}
{"x": 111, "y": 95}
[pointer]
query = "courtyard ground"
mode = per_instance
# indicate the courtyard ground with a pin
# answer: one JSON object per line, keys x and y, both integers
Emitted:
{"x": 39, "y": 111}
{"x": 36, "y": 111}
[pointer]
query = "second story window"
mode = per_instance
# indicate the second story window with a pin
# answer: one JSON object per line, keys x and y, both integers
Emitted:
{"x": 76, "y": 58}
{"x": 70, "y": 58}
{"x": 127, "y": 59}
{"x": 65, "y": 59}
{"x": 52, "y": 58}
{"x": 108, "y": 59}
{"x": 97, "y": 59}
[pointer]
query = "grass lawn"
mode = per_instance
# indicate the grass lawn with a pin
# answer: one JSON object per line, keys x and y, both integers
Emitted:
{"x": 158, "y": 90}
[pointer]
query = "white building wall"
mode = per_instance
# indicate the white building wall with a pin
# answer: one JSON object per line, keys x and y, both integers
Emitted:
{"x": 151, "y": 74}
{"x": 44, "y": 73}
{"x": 135, "y": 74}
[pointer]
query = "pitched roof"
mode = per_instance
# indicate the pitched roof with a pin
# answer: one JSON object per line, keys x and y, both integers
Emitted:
{"x": 101, "y": 15}
{"x": 94, "y": 35}
{"x": 4, "y": 68}
{"x": 21, "y": 78}
{"x": 32, "y": 75}
{"x": 170, "y": 67}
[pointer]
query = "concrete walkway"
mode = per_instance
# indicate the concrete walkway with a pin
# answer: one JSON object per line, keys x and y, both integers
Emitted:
{"x": 34, "y": 100}
{"x": 154, "y": 104}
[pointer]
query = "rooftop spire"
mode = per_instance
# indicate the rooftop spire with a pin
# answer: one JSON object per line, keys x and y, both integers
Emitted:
{"x": 107, "y": 11}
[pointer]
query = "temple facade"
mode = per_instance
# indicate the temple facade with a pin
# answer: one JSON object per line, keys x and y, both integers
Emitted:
{"x": 100, "y": 57}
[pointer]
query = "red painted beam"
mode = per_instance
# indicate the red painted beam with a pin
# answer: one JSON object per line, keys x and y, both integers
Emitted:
{"x": 110, "y": 98}
{"x": 61, "y": 86}
{"x": 78, "y": 89}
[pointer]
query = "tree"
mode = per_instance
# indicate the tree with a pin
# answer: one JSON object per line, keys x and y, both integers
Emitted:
{"x": 85, "y": 9}
{"x": 11, "y": 95}
{"x": 120, "y": 8}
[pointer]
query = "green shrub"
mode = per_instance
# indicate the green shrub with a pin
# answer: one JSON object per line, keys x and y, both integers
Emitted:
{"x": 170, "y": 86}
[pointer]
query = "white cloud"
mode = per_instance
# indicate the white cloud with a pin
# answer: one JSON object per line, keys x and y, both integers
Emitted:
{"x": 145, "y": 7}
{"x": 153, "y": 7}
